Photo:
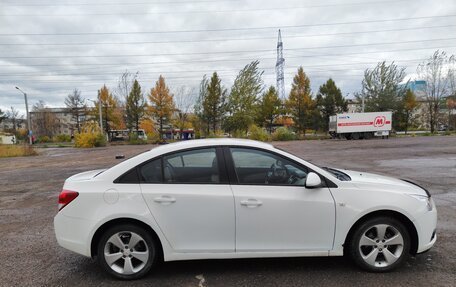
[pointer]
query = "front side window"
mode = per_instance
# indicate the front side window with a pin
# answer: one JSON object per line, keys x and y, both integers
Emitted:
{"x": 193, "y": 166}
{"x": 265, "y": 168}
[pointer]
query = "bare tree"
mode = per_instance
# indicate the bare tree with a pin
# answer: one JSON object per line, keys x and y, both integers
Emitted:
{"x": 76, "y": 103}
{"x": 3, "y": 116}
{"x": 13, "y": 115}
{"x": 44, "y": 122}
{"x": 438, "y": 72}
{"x": 125, "y": 84}
{"x": 184, "y": 99}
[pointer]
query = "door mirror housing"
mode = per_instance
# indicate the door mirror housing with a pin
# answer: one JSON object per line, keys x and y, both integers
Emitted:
{"x": 313, "y": 180}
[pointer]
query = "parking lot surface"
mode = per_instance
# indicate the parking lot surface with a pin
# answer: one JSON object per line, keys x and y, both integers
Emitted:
{"x": 30, "y": 255}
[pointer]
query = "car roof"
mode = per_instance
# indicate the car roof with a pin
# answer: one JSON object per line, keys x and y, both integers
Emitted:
{"x": 210, "y": 142}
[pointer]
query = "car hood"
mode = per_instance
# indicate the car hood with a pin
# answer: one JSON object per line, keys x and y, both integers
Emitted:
{"x": 87, "y": 175}
{"x": 363, "y": 179}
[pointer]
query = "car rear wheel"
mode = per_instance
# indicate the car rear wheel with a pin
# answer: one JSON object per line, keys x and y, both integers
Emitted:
{"x": 126, "y": 252}
{"x": 380, "y": 244}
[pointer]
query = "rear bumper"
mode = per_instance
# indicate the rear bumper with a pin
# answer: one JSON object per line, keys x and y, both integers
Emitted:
{"x": 72, "y": 233}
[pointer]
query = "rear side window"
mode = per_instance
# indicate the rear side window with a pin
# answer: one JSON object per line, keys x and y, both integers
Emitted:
{"x": 193, "y": 166}
{"x": 129, "y": 177}
{"x": 151, "y": 172}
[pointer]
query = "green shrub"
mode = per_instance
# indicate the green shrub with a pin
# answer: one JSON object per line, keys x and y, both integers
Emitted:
{"x": 43, "y": 139}
{"x": 62, "y": 138}
{"x": 217, "y": 134}
{"x": 257, "y": 133}
{"x": 90, "y": 136}
{"x": 153, "y": 137}
{"x": 238, "y": 134}
{"x": 133, "y": 139}
{"x": 283, "y": 134}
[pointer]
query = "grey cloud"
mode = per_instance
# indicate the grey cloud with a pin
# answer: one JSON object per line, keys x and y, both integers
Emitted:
{"x": 57, "y": 77}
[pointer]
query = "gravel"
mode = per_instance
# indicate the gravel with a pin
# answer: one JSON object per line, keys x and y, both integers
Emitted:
{"x": 30, "y": 255}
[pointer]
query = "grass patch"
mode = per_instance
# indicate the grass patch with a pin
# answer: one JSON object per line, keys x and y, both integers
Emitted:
{"x": 16, "y": 150}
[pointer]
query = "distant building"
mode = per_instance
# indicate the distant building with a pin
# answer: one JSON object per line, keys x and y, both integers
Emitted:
{"x": 353, "y": 106}
{"x": 418, "y": 87}
{"x": 7, "y": 125}
{"x": 53, "y": 121}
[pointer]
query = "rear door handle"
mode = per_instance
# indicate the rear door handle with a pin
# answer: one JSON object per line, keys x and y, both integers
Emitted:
{"x": 251, "y": 203}
{"x": 165, "y": 199}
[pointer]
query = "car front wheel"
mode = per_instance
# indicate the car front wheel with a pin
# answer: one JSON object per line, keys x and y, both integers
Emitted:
{"x": 380, "y": 244}
{"x": 126, "y": 252}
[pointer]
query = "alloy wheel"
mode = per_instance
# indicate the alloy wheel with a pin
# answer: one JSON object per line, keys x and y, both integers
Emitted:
{"x": 126, "y": 252}
{"x": 381, "y": 245}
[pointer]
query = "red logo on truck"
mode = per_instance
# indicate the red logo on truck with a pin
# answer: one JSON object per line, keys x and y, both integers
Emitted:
{"x": 379, "y": 121}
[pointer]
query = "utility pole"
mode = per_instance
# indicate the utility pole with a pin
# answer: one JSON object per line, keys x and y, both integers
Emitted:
{"x": 99, "y": 112}
{"x": 362, "y": 103}
{"x": 29, "y": 125}
{"x": 279, "y": 68}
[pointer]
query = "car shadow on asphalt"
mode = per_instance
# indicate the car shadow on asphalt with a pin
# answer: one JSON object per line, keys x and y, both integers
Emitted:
{"x": 247, "y": 272}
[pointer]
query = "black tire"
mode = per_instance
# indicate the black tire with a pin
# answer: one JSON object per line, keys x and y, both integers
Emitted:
{"x": 146, "y": 244}
{"x": 356, "y": 250}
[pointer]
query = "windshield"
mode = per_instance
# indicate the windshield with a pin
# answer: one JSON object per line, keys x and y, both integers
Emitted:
{"x": 338, "y": 174}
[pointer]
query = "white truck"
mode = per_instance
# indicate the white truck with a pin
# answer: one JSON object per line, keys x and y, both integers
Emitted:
{"x": 360, "y": 125}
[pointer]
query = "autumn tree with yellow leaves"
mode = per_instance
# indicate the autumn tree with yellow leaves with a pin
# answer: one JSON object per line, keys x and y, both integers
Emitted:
{"x": 110, "y": 110}
{"x": 300, "y": 104}
{"x": 161, "y": 105}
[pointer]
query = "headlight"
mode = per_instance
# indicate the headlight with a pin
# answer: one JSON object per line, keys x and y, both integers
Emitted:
{"x": 425, "y": 199}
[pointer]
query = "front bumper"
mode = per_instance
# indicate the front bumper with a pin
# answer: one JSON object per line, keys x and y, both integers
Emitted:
{"x": 426, "y": 228}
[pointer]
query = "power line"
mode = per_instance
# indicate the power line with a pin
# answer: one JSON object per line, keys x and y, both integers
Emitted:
{"x": 117, "y": 3}
{"x": 228, "y": 29}
{"x": 225, "y": 39}
{"x": 220, "y": 52}
{"x": 306, "y": 66}
{"x": 303, "y": 56}
{"x": 210, "y": 11}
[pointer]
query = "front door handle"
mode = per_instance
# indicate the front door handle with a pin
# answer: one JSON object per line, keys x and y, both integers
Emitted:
{"x": 165, "y": 199}
{"x": 251, "y": 203}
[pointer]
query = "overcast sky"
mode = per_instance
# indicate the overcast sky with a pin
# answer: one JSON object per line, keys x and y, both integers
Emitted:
{"x": 48, "y": 48}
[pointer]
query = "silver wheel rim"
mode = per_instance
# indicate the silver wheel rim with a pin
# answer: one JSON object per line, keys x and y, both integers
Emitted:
{"x": 381, "y": 245}
{"x": 126, "y": 252}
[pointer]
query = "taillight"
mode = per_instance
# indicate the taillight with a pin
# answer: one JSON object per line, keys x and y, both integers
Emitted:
{"x": 65, "y": 197}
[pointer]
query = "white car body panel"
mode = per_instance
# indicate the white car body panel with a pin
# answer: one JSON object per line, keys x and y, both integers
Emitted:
{"x": 262, "y": 228}
{"x": 200, "y": 220}
{"x": 223, "y": 228}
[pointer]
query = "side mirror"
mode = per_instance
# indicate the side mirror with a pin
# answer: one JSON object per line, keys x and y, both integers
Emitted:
{"x": 313, "y": 180}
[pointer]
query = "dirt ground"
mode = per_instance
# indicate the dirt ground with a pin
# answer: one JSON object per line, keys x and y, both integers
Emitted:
{"x": 30, "y": 255}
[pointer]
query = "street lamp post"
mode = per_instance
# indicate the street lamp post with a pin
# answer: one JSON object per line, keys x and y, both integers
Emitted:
{"x": 29, "y": 125}
{"x": 99, "y": 112}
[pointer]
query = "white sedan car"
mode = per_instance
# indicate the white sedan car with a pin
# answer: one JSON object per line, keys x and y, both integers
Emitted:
{"x": 230, "y": 198}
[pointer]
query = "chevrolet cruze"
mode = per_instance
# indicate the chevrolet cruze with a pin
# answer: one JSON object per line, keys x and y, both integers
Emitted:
{"x": 230, "y": 198}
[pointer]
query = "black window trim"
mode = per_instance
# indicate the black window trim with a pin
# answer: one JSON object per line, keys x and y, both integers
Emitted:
{"x": 235, "y": 181}
{"x": 222, "y": 167}
{"x": 227, "y": 171}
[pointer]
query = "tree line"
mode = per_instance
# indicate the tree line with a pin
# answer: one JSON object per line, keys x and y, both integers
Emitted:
{"x": 213, "y": 108}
